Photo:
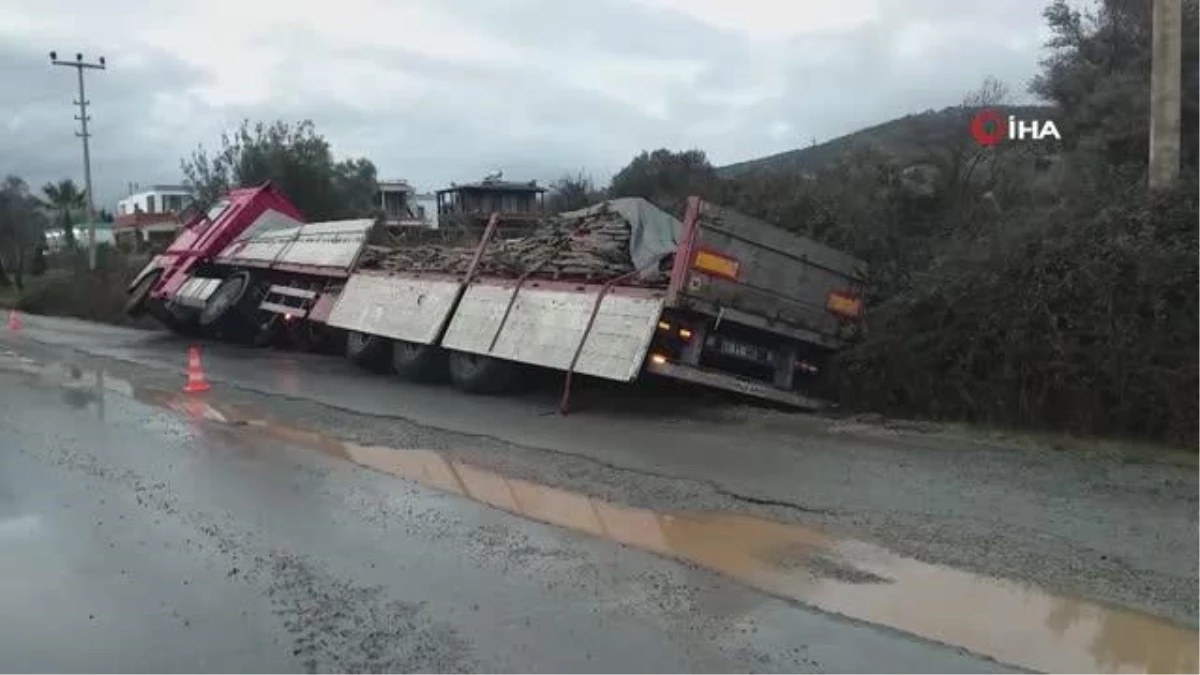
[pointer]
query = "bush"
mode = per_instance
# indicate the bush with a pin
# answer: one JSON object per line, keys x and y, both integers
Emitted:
{"x": 1081, "y": 318}
{"x": 95, "y": 295}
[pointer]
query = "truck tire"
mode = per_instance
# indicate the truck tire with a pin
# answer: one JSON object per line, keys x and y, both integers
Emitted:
{"x": 178, "y": 326}
{"x": 418, "y": 362}
{"x": 135, "y": 304}
{"x": 478, "y": 374}
{"x": 183, "y": 326}
{"x": 230, "y": 311}
{"x": 299, "y": 335}
{"x": 306, "y": 336}
{"x": 368, "y": 351}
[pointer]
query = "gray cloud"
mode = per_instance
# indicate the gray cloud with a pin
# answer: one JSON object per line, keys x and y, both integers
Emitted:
{"x": 531, "y": 86}
{"x": 39, "y": 125}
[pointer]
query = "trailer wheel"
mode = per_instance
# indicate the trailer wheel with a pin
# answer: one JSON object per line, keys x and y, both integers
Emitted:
{"x": 418, "y": 362}
{"x": 135, "y": 305}
{"x": 266, "y": 336}
{"x": 297, "y": 334}
{"x": 224, "y": 299}
{"x": 305, "y": 335}
{"x": 478, "y": 374}
{"x": 229, "y": 311}
{"x": 368, "y": 351}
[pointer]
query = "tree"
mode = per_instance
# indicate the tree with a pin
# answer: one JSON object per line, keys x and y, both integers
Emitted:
{"x": 65, "y": 198}
{"x": 1097, "y": 73}
{"x": 21, "y": 230}
{"x": 296, "y": 159}
{"x": 569, "y": 193}
{"x": 666, "y": 178}
{"x": 1074, "y": 306}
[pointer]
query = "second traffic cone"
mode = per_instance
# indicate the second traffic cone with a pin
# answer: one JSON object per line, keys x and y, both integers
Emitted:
{"x": 14, "y": 320}
{"x": 196, "y": 382}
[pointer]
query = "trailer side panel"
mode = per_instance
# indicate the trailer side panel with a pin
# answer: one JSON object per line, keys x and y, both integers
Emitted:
{"x": 398, "y": 307}
{"x": 333, "y": 245}
{"x": 545, "y": 326}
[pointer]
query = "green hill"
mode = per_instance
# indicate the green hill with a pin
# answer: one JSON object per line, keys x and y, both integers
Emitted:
{"x": 908, "y": 139}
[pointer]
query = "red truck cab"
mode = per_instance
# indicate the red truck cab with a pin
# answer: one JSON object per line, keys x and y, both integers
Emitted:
{"x": 204, "y": 236}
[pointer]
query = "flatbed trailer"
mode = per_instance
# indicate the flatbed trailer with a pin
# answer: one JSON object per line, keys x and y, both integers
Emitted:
{"x": 748, "y": 308}
{"x": 745, "y": 306}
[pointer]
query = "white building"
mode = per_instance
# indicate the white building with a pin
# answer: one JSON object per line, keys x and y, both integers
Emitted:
{"x": 425, "y": 206}
{"x": 155, "y": 199}
{"x": 153, "y": 212}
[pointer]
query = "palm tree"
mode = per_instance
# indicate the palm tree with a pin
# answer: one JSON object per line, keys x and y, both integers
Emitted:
{"x": 65, "y": 197}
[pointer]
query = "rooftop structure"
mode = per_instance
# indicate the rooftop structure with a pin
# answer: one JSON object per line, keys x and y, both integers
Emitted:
{"x": 491, "y": 195}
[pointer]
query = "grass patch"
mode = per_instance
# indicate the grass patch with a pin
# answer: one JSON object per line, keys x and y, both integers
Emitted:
{"x": 11, "y": 297}
{"x": 96, "y": 295}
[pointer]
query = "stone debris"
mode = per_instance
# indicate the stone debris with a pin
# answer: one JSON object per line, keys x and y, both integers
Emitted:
{"x": 592, "y": 249}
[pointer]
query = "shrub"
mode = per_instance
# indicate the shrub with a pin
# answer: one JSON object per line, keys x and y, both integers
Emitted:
{"x": 1083, "y": 319}
{"x": 95, "y": 295}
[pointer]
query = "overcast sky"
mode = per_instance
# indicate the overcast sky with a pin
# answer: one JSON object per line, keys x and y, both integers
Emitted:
{"x": 441, "y": 90}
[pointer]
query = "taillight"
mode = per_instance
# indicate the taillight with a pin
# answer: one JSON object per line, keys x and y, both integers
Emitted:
{"x": 717, "y": 264}
{"x": 844, "y": 304}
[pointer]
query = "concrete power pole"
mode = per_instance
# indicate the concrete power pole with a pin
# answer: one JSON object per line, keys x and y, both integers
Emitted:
{"x": 79, "y": 65}
{"x": 1165, "y": 94}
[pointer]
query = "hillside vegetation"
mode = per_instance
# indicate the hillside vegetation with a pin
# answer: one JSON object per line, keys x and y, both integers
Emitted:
{"x": 904, "y": 140}
{"x": 1027, "y": 284}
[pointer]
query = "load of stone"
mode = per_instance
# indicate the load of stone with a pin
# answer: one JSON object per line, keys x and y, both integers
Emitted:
{"x": 592, "y": 248}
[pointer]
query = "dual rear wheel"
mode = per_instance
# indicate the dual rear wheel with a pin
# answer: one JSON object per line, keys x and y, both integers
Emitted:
{"x": 472, "y": 373}
{"x": 478, "y": 374}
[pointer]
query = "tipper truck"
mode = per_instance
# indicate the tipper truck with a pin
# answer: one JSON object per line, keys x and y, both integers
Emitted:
{"x": 615, "y": 291}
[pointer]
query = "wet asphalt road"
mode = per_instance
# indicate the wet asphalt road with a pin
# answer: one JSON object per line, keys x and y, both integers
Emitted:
{"x": 132, "y": 539}
{"x": 140, "y": 537}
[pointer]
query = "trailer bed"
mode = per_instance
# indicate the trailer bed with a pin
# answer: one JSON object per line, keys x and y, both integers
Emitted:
{"x": 718, "y": 299}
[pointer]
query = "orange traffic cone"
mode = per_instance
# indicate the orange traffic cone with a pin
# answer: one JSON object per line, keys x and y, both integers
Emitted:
{"x": 14, "y": 320}
{"x": 196, "y": 381}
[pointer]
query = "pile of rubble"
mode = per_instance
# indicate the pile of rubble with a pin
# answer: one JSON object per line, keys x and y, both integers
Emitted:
{"x": 593, "y": 248}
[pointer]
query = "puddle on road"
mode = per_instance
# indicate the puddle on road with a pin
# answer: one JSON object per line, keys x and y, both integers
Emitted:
{"x": 1008, "y": 621}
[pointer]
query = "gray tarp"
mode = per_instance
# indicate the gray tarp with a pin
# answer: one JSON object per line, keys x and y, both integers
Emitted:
{"x": 653, "y": 233}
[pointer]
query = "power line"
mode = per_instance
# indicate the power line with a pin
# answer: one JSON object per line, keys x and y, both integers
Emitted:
{"x": 80, "y": 65}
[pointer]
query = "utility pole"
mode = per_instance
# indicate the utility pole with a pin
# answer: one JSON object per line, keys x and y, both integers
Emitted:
{"x": 80, "y": 65}
{"x": 1165, "y": 95}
